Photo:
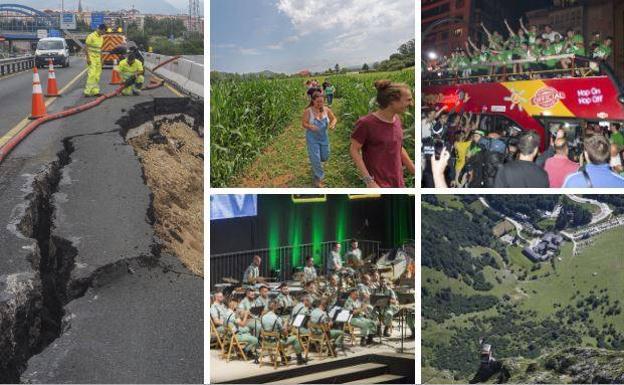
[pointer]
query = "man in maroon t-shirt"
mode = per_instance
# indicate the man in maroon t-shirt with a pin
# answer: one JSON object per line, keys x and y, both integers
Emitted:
{"x": 377, "y": 141}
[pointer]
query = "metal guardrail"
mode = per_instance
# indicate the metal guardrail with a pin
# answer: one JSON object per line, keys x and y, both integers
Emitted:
{"x": 16, "y": 64}
{"x": 186, "y": 75}
{"x": 234, "y": 264}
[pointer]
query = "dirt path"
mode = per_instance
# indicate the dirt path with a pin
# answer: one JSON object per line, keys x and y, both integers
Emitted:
{"x": 284, "y": 163}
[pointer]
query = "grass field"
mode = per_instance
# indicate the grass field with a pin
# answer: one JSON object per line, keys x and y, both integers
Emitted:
{"x": 598, "y": 267}
{"x": 257, "y": 139}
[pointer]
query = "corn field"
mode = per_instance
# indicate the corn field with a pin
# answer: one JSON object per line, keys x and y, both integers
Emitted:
{"x": 245, "y": 115}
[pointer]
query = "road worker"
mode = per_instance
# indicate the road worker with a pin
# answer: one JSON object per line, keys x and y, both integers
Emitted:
{"x": 94, "y": 61}
{"x": 131, "y": 71}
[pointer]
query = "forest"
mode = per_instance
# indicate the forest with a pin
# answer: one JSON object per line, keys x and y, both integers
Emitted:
{"x": 524, "y": 204}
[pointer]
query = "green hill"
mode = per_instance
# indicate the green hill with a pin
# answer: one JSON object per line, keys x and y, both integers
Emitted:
{"x": 528, "y": 310}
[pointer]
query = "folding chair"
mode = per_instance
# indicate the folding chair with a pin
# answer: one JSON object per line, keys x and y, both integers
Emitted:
{"x": 232, "y": 341}
{"x": 303, "y": 338}
{"x": 319, "y": 336}
{"x": 270, "y": 345}
{"x": 349, "y": 330}
{"x": 218, "y": 340}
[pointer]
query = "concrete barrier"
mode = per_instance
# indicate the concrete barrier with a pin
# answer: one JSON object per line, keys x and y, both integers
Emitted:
{"x": 16, "y": 64}
{"x": 187, "y": 75}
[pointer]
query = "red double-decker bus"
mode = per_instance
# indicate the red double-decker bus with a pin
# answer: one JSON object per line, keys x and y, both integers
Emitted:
{"x": 534, "y": 104}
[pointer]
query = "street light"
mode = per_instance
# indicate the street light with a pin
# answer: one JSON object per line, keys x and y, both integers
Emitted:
{"x": 432, "y": 55}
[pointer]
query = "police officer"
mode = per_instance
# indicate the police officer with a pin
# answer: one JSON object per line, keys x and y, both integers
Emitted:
{"x": 94, "y": 44}
{"x": 359, "y": 320}
{"x": 251, "y": 274}
{"x": 272, "y": 323}
{"x": 235, "y": 321}
{"x": 388, "y": 312}
{"x": 218, "y": 312}
{"x": 320, "y": 316}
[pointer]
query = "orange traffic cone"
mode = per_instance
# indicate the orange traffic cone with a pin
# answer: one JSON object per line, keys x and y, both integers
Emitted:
{"x": 52, "y": 87}
{"x": 38, "y": 106}
{"x": 116, "y": 78}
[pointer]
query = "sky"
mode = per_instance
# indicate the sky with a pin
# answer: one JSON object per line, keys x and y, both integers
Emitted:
{"x": 293, "y": 35}
{"x": 145, "y": 6}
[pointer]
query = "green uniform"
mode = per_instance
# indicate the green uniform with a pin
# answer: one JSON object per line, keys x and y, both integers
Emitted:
{"x": 389, "y": 311}
{"x": 284, "y": 301}
{"x": 333, "y": 259}
{"x": 94, "y": 43}
{"x": 366, "y": 325}
{"x": 363, "y": 289}
{"x": 261, "y": 301}
{"x": 332, "y": 293}
{"x": 319, "y": 316}
{"x": 272, "y": 323}
{"x": 251, "y": 273}
{"x": 309, "y": 273}
{"x": 218, "y": 312}
{"x": 243, "y": 334}
{"x": 253, "y": 324}
{"x": 134, "y": 70}
{"x": 531, "y": 37}
{"x": 354, "y": 256}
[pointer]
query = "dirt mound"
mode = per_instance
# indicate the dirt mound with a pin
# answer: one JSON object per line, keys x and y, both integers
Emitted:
{"x": 173, "y": 165}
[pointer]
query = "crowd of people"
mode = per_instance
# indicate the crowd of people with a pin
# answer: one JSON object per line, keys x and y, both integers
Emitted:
{"x": 536, "y": 50}
{"x": 470, "y": 150}
{"x": 258, "y": 314}
{"x": 376, "y": 141}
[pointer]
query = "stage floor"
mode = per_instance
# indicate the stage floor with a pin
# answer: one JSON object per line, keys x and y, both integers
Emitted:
{"x": 222, "y": 372}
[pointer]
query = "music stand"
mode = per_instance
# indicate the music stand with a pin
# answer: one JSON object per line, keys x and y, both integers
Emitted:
{"x": 285, "y": 311}
{"x": 256, "y": 311}
{"x": 380, "y": 301}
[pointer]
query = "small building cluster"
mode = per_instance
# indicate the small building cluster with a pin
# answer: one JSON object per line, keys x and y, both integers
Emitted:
{"x": 544, "y": 248}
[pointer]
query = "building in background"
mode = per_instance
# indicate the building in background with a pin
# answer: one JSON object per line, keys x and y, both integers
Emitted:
{"x": 446, "y": 24}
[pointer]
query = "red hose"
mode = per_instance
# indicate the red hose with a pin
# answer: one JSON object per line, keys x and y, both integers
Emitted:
{"x": 14, "y": 141}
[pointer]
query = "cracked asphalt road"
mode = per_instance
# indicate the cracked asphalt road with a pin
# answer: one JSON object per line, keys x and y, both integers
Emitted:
{"x": 137, "y": 324}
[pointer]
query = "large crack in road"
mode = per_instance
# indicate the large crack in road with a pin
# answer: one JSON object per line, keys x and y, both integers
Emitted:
{"x": 36, "y": 315}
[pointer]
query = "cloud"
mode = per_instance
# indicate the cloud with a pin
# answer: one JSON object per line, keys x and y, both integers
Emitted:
{"x": 277, "y": 46}
{"x": 311, "y": 15}
{"x": 224, "y": 45}
{"x": 248, "y": 51}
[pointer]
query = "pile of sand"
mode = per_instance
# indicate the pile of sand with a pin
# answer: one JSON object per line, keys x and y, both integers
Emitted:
{"x": 173, "y": 164}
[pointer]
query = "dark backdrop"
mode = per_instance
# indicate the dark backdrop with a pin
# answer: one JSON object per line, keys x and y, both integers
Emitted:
{"x": 281, "y": 222}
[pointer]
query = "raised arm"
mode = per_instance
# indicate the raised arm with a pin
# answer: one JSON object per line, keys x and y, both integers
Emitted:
{"x": 511, "y": 32}
{"x": 473, "y": 44}
{"x": 522, "y": 26}
{"x": 486, "y": 31}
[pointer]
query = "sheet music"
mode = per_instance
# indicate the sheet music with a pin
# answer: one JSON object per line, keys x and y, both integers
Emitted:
{"x": 343, "y": 316}
{"x": 298, "y": 322}
{"x": 333, "y": 311}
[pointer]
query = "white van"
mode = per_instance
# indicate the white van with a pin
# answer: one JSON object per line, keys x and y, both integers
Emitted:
{"x": 54, "y": 48}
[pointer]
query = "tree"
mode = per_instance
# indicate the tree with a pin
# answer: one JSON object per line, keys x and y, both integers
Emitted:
{"x": 337, "y": 68}
{"x": 365, "y": 67}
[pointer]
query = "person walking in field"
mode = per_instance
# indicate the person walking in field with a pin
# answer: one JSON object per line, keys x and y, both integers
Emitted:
{"x": 377, "y": 141}
{"x": 329, "y": 93}
{"x": 317, "y": 119}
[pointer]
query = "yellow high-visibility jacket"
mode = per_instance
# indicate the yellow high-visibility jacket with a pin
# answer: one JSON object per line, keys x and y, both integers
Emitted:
{"x": 125, "y": 68}
{"x": 94, "y": 45}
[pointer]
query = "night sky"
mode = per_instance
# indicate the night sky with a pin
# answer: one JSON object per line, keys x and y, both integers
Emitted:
{"x": 528, "y": 5}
